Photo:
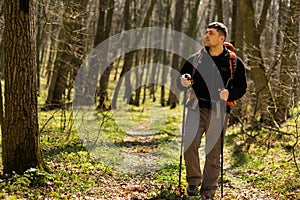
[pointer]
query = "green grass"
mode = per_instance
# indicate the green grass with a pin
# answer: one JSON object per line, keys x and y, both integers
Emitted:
{"x": 251, "y": 171}
{"x": 266, "y": 167}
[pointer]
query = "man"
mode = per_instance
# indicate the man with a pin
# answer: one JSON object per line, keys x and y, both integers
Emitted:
{"x": 208, "y": 74}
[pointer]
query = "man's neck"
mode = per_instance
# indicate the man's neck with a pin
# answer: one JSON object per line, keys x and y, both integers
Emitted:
{"x": 215, "y": 51}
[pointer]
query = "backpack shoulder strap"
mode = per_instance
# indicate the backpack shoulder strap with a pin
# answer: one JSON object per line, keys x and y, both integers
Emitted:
{"x": 232, "y": 65}
{"x": 232, "y": 62}
{"x": 197, "y": 59}
{"x": 232, "y": 58}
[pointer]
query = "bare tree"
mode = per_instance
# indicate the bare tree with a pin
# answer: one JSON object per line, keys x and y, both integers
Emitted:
{"x": 69, "y": 55}
{"x": 130, "y": 56}
{"x": 253, "y": 31}
{"x": 288, "y": 72}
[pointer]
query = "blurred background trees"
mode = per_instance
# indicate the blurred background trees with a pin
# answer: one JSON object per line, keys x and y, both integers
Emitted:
{"x": 265, "y": 33}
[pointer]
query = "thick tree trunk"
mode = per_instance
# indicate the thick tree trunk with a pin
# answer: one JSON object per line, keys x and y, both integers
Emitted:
{"x": 20, "y": 130}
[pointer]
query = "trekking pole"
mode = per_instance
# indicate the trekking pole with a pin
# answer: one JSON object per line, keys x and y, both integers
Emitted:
{"x": 222, "y": 150}
{"x": 222, "y": 162}
{"x": 182, "y": 132}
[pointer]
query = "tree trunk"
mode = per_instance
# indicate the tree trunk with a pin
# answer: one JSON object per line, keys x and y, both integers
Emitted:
{"x": 219, "y": 7}
{"x": 103, "y": 30}
{"x": 2, "y": 64}
{"x": 288, "y": 70}
{"x": 164, "y": 71}
{"x": 20, "y": 131}
{"x": 233, "y": 22}
{"x": 179, "y": 13}
{"x": 240, "y": 31}
{"x": 192, "y": 31}
{"x": 128, "y": 57}
{"x": 153, "y": 72}
{"x": 253, "y": 31}
{"x": 139, "y": 78}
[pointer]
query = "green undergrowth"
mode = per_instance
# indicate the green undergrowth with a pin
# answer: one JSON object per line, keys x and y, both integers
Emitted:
{"x": 252, "y": 170}
{"x": 266, "y": 165}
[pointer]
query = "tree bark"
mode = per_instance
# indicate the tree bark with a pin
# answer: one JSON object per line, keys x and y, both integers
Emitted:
{"x": 20, "y": 131}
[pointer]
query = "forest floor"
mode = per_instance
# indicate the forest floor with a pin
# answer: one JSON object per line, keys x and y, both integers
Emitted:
{"x": 146, "y": 166}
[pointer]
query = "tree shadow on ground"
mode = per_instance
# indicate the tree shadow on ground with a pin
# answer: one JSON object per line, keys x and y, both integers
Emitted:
{"x": 153, "y": 141}
{"x": 238, "y": 156}
{"x": 144, "y": 143}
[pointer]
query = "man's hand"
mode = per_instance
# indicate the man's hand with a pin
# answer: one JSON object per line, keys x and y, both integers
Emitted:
{"x": 186, "y": 80}
{"x": 224, "y": 94}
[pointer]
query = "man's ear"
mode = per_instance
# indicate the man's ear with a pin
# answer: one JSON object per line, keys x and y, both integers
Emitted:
{"x": 223, "y": 38}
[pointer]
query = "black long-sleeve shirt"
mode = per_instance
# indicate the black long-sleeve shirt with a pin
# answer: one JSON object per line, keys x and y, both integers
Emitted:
{"x": 213, "y": 73}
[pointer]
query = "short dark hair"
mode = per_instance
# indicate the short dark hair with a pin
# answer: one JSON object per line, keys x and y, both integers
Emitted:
{"x": 221, "y": 28}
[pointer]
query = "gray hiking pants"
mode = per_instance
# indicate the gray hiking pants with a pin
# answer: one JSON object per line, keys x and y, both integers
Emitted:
{"x": 211, "y": 123}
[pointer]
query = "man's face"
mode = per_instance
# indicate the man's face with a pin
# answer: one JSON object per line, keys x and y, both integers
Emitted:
{"x": 213, "y": 38}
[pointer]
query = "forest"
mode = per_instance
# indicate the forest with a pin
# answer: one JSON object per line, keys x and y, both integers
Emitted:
{"x": 89, "y": 108}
